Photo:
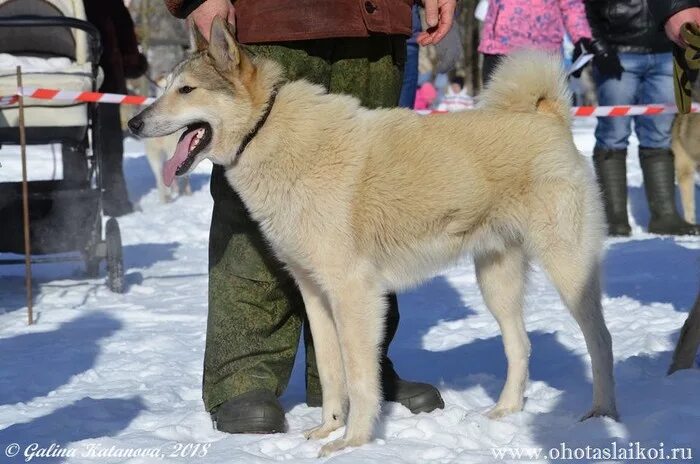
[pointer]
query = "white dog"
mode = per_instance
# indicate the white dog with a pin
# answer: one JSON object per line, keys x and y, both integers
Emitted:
{"x": 360, "y": 202}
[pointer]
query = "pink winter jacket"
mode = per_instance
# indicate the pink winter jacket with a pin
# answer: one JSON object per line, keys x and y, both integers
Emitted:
{"x": 425, "y": 96}
{"x": 513, "y": 24}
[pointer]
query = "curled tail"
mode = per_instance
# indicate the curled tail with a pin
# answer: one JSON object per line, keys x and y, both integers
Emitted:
{"x": 529, "y": 81}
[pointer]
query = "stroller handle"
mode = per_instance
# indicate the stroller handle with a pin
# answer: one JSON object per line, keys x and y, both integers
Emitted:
{"x": 58, "y": 21}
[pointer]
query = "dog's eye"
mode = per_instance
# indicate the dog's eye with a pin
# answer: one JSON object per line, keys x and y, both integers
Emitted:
{"x": 185, "y": 89}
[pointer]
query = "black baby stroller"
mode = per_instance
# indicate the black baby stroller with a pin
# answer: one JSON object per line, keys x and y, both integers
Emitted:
{"x": 66, "y": 214}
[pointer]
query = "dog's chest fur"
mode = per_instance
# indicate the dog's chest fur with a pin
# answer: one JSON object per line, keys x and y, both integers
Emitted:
{"x": 297, "y": 183}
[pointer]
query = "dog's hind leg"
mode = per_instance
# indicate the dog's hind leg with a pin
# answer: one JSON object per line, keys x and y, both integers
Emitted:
{"x": 580, "y": 291}
{"x": 566, "y": 236}
{"x": 359, "y": 309}
{"x": 501, "y": 277}
{"x": 328, "y": 358}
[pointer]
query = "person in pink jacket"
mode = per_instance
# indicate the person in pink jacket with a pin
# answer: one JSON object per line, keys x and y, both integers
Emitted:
{"x": 514, "y": 24}
{"x": 425, "y": 96}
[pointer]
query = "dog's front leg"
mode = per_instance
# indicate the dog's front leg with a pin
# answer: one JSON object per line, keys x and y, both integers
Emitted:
{"x": 328, "y": 358}
{"x": 358, "y": 311}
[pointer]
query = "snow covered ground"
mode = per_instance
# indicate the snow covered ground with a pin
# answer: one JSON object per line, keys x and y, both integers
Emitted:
{"x": 99, "y": 373}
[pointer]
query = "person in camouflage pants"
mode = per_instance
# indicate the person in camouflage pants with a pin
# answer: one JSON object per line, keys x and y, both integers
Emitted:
{"x": 247, "y": 285}
{"x": 256, "y": 312}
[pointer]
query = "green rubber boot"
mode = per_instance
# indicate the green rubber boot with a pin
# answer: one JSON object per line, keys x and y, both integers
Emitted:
{"x": 611, "y": 171}
{"x": 660, "y": 188}
{"x": 258, "y": 411}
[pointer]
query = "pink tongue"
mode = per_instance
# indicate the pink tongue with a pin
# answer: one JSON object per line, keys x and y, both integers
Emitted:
{"x": 181, "y": 152}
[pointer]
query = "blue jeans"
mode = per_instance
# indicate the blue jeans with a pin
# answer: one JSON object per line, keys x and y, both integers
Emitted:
{"x": 410, "y": 71}
{"x": 648, "y": 78}
{"x": 410, "y": 77}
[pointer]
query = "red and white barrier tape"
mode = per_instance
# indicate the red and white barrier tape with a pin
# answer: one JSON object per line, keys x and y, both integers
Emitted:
{"x": 611, "y": 111}
{"x": 75, "y": 96}
{"x": 8, "y": 100}
{"x": 626, "y": 110}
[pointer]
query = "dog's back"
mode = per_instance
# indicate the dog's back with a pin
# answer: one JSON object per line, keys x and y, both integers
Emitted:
{"x": 465, "y": 180}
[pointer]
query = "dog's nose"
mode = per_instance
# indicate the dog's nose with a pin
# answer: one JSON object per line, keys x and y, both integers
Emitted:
{"x": 135, "y": 125}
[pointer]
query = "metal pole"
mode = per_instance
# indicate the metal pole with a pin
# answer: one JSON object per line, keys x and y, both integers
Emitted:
{"x": 25, "y": 203}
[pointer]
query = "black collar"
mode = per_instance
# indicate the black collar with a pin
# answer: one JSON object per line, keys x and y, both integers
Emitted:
{"x": 250, "y": 135}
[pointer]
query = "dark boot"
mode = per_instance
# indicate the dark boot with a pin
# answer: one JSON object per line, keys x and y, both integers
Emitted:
{"x": 611, "y": 171}
{"x": 115, "y": 200}
{"x": 416, "y": 396}
{"x": 660, "y": 188}
{"x": 257, "y": 411}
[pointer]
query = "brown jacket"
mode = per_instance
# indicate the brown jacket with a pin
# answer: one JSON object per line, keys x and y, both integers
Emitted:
{"x": 279, "y": 20}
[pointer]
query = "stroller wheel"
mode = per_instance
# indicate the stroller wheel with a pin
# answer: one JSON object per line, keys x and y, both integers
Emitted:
{"x": 94, "y": 253}
{"x": 115, "y": 263}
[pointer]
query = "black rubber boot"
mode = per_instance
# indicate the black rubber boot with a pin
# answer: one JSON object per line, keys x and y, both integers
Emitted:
{"x": 660, "y": 188}
{"x": 257, "y": 411}
{"x": 611, "y": 171}
{"x": 416, "y": 396}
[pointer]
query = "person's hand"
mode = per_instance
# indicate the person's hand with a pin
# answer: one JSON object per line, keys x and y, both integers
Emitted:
{"x": 605, "y": 60}
{"x": 439, "y": 14}
{"x": 675, "y": 22}
{"x": 205, "y": 13}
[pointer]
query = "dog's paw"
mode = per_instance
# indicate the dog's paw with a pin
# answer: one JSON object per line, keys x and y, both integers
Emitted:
{"x": 600, "y": 411}
{"x": 322, "y": 431}
{"x": 501, "y": 411}
{"x": 339, "y": 444}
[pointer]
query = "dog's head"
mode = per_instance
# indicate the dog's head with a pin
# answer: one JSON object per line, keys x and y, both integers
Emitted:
{"x": 214, "y": 95}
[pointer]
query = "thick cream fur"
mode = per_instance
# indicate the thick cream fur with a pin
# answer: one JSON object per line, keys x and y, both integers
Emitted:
{"x": 359, "y": 202}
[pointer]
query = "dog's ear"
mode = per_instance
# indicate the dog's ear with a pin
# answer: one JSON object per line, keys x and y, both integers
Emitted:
{"x": 197, "y": 40}
{"x": 222, "y": 45}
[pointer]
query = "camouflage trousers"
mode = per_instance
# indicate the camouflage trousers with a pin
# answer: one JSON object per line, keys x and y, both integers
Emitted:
{"x": 256, "y": 312}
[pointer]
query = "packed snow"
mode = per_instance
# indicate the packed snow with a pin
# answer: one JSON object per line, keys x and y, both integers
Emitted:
{"x": 101, "y": 375}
